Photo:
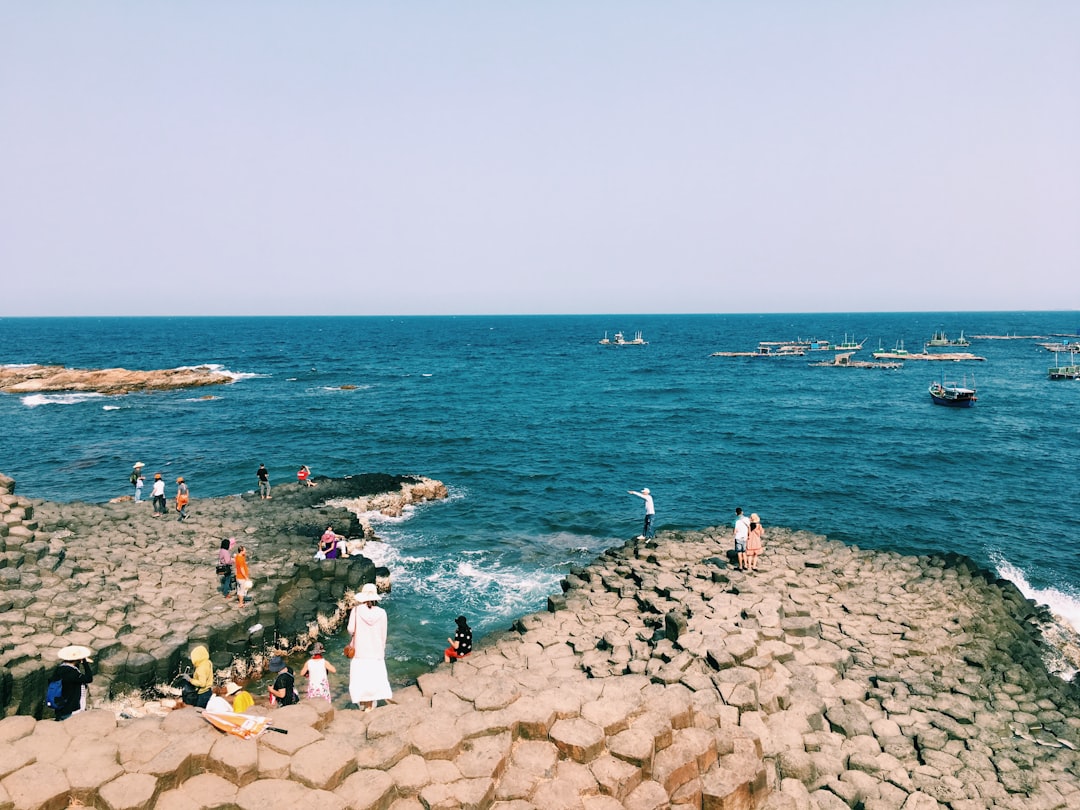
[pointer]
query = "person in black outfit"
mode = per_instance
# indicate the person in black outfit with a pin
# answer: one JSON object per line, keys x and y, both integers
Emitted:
{"x": 264, "y": 482}
{"x": 461, "y": 643}
{"x": 284, "y": 688}
{"x": 73, "y": 672}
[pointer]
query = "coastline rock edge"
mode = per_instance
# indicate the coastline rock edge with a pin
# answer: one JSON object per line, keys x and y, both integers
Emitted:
{"x": 659, "y": 678}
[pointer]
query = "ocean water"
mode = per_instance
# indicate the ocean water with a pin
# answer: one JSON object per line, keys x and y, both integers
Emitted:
{"x": 539, "y": 432}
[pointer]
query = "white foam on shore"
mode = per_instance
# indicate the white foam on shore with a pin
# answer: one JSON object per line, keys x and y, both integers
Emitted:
{"x": 1064, "y": 606}
{"x": 217, "y": 368}
{"x": 35, "y": 400}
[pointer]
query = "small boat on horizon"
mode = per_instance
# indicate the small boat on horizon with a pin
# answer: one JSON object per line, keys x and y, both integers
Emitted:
{"x": 953, "y": 395}
{"x": 941, "y": 339}
{"x": 620, "y": 340}
{"x": 883, "y": 352}
{"x": 848, "y": 344}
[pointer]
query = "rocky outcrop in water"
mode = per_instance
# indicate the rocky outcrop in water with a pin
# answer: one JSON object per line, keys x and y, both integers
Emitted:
{"x": 45, "y": 379}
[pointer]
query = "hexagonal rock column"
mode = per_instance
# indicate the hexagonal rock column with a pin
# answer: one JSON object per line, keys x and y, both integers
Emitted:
{"x": 578, "y": 739}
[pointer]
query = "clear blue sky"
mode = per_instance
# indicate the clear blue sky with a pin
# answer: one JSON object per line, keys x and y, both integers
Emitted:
{"x": 549, "y": 157}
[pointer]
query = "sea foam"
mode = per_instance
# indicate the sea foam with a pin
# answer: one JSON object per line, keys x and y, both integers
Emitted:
{"x": 35, "y": 400}
{"x": 1064, "y": 656}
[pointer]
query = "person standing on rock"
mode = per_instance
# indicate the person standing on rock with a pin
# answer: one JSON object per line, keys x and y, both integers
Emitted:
{"x": 74, "y": 674}
{"x": 157, "y": 495}
{"x": 243, "y": 575}
{"x": 741, "y": 534}
{"x": 224, "y": 567}
{"x": 754, "y": 544}
{"x": 368, "y": 682}
{"x": 137, "y": 480}
{"x": 264, "y": 482}
{"x": 182, "y": 498}
{"x": 650, "y": 513}
{"x": 315, "y": 669}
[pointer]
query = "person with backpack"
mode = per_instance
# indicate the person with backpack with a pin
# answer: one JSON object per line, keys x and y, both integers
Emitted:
{"x": 67, "y": 690}
{"x": 283, "y": 692}
{"x": 182, "y": 498}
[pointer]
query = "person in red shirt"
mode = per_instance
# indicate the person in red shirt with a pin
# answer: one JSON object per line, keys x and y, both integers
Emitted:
{"x": 303, "y": 476}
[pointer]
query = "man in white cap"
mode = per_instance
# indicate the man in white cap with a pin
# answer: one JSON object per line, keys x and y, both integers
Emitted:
{"x": 73, "y": 673}
{"x": 137, "y": 480}
{"x": 650, "y": 513}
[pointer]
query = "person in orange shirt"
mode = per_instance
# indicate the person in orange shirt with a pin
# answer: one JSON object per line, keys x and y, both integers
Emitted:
{"x": 243, "y": 575}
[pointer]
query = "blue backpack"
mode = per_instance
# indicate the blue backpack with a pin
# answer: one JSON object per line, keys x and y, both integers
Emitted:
{"x": 54, "y": 695}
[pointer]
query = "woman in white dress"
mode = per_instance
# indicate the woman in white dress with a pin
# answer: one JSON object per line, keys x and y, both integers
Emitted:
{"x": 368, "y": 683}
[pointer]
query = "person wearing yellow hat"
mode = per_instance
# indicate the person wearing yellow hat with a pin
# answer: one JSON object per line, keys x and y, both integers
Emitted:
{"x": 181, "y": 499}
{"x": 73, "y": 674}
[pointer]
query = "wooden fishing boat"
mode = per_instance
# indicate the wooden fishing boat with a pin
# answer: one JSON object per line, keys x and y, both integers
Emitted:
{"x": 952, "y": 395}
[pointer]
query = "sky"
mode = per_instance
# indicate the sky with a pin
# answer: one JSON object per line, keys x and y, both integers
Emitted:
{"x": 396, "y": 158}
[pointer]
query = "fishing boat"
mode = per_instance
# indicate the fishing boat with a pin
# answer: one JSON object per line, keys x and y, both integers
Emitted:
{"x": 953, "y": 395}
{"x": 898, "y": 351}
{"x": 848, "y": 344}
{"x": 941, "y": 339}
{"x": 620, "y": 340}
{"x": 769, "y": 349}
{"x": 1069, "y": 372}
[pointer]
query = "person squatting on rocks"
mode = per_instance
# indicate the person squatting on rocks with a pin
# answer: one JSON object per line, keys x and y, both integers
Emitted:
{"x": 461, "y": 643}
{"x": 74, "y": 674}
{"x": 315, "y": 669}
{"x": 328, "y": 545}
{"x": 182, "y": 498}
{"x": 264, "y": 482}
{"x": 157, "y": 495}
{"x": 283, "y": 692}
{"x": 137, "y": 480}
{"x": 368, "y": 681}
{"x": 224, "y": 567}
{"x": 754, "y": 544}
{"x": 303, "y": 477}
{"x": 243, "y": 575}
{"x": 200, "y": 682}
{"x": 650, "y": 513}
{"x": 741, "y": 534}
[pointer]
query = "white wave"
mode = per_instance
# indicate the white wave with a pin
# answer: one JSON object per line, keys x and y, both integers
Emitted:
{"x": 18, "y": 365}
{"x": 1064, "y": 605}
{"x": 217, "y": 368}
{"x": 427, "y": 375}
{"x": 111, "y": 408}
{"x": 34, "y": 400}
{"x": 1064, "y": 635}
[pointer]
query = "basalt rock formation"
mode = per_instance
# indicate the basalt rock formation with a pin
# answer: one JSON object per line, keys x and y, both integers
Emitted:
{"x": 140, "y": 591}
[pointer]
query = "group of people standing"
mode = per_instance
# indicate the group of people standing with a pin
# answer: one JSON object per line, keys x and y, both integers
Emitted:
{"x": 748, "y": 536}
{"x": 157, "y": 492}
{"x": 232, "y": 568}
{"x": 748, "y": 533}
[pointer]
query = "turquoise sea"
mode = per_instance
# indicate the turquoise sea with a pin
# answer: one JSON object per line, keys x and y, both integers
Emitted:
{"x": 539, "y": 432}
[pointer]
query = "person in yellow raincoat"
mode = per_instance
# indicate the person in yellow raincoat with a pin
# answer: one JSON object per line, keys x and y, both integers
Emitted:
{"x": 202, "y": 680}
